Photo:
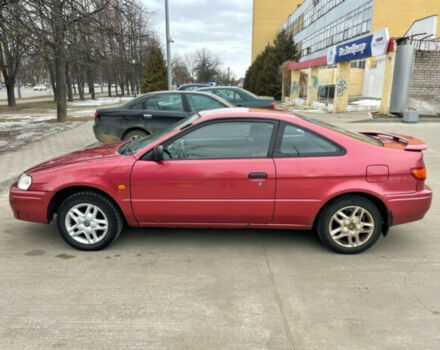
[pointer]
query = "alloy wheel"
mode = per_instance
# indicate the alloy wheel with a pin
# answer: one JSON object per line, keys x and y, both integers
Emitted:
{"x": 86, "y": 223}
{"x": 351, "y": 226}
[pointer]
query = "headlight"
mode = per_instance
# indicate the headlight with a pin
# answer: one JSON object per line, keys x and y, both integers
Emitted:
{"x": 24, "y": 182}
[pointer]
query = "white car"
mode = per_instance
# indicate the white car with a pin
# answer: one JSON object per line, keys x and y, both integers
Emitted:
{"x": 40, "y": 87}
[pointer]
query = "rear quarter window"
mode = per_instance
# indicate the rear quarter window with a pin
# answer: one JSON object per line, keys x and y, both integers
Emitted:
{"x": 297, "y": 142}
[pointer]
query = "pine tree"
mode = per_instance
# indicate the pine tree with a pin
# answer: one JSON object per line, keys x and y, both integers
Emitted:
{"x": 263, "y": 77}
{"x": 155, "y": 73}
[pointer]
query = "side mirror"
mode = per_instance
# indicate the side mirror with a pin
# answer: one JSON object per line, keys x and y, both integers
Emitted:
{"x": 158, "y": 153}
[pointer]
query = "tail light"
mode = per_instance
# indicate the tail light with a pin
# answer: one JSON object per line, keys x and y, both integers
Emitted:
{"x": 419, "y": 173}
{"x": 272, "y": 104}
{"x": 96, "y": 115}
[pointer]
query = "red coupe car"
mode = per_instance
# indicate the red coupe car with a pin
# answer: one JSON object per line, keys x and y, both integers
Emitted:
{"x": 233, "y": 168}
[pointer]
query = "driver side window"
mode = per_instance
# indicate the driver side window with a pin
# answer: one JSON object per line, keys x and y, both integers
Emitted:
{"x": 223, "y": 140}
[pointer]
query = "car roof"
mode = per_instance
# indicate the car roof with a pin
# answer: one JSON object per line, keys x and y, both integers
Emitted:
{"x": 178, "y": 92}
{"x": 219, "y": 87}
{"x": 194, "y": 84}
{"x": 263, "y": 113}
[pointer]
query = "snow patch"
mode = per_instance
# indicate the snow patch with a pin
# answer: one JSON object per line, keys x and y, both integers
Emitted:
{"x": 367, "y": 102}
{"x": 100, "y": 101}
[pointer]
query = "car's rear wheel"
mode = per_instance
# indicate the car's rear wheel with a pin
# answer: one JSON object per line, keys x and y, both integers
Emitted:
{"x": 350, "y": 224}
{"x": 135, "y": 134}
{"x": 89, "y": 221}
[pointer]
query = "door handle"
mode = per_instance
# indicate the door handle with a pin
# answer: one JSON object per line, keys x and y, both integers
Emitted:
{"x": 147, "y": 116}
{"x": 257, "y": 175}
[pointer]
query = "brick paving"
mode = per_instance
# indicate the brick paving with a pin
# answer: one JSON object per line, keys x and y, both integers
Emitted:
{"x": 12, "y": 164}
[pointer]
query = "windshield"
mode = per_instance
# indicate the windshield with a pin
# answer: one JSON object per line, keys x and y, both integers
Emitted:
{"x": 136, "y": 145}
{"x": 346, "y": 132}
{"x": 248, "y": 93}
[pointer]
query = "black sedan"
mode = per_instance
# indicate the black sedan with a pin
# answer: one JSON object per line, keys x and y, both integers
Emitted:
{"x": 240, "y": 97}
{"x": 151, "y": 113}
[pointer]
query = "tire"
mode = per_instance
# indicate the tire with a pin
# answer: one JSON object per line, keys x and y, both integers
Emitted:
{"x": 88, "y": 230}
{"x": 135, "y": 134}
{"x": 344, "y": 233}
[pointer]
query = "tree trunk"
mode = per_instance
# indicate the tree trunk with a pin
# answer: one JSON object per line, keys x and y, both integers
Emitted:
{"x": 10, "y": 91}
{"x": 132, "y": 87}
{"x": 69, "y": 85}
{"x": 60, "y": 61}
{"x": 80, "y": 88}
{"x": 52, "y": 82}
{"x": 91, "y": 85}
{"x": 109, "y": 88}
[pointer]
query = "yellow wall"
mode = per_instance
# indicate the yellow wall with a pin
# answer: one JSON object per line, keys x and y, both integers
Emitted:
{"x": 268, "y": 16}
{"x": 399, "y": 15}
{"x": 356, "y": 80}
{"x": 327, "y": 76}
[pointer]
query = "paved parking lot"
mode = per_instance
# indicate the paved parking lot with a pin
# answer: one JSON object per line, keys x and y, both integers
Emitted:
{"x": 224, "y": 289}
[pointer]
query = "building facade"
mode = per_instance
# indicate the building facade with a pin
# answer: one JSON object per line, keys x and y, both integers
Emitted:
{"x": 345, "y": 28}
{"x": 319, "y": 24}
{"x": 268, "y": 16}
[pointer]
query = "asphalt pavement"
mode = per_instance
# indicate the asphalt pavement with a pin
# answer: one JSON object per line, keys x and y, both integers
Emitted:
{"x": 220, "y": 289}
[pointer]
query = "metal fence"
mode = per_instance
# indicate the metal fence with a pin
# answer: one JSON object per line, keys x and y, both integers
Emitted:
{"x": 426, "y": 45}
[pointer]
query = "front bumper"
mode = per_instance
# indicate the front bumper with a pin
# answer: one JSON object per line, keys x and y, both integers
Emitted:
{"x": 409, "y": 207}
{"x": 30, "y": 205}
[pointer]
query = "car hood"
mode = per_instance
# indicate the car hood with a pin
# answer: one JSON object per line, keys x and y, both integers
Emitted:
{"x": 99, "y": 152}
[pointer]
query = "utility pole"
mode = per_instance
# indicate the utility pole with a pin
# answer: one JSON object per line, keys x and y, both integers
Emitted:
{"x": 167, "y": 21}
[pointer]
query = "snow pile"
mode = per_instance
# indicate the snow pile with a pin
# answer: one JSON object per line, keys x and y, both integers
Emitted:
{"x": 367, "y": 102}
{"x": 363, "y": 105}
{"x": 18, "y": 130}
{"x": 100, "y": 101}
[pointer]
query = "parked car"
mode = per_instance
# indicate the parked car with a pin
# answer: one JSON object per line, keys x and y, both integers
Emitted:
{"x": 40, "y": 87}
{"x": 151, "y": 113}
{"x": 191, "y": 87}
{"x": 240, "y": 97}
{"x": 233, "y": 168}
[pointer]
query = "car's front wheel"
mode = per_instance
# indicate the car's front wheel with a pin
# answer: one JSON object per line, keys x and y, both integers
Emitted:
{"x": 350, "y": 224}
{"x": 89, "y": 221}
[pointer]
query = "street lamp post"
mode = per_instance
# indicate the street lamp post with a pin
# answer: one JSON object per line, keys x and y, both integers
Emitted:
{"x": 168, "y": 39}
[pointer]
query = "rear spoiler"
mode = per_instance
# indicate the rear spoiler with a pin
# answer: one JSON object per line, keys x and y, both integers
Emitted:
{"x": 411, "y": 143}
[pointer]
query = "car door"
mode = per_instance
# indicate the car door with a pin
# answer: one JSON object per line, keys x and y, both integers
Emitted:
{"x": 199, "y": 102}
{"x": 162, "y": 110}
{"x": 305, "y": 163}
{"x": 216, "y": 172}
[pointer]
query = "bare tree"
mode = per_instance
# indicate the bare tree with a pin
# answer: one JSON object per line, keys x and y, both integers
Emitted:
{"x": 206, "y": 65}
{"x": 181, "y": 73}
{"x": 13, "y": 42}
{"x": 50, "y": 21}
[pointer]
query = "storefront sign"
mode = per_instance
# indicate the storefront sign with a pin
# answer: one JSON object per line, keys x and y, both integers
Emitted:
{"x": 370, "y": 45}
{"x": 379, "y": 43}
{"x": 354, "y": 50}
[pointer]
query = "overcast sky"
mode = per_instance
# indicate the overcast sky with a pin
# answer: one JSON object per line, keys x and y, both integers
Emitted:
{"x": 222, "y": 26}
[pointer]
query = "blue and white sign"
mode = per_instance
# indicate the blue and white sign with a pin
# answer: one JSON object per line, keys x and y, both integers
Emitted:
{"x": 354, "y": 50}
{"x": 370, "y": 45}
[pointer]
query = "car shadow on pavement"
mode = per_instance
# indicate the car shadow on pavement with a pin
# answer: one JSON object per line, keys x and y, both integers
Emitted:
{"x": 144, "y": 238}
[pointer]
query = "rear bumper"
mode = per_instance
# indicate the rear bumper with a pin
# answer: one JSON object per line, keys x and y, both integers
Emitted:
{"x": 105, "y": 133}
{"x": 409, "y": 207}
{"x": 30, "y": 205}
